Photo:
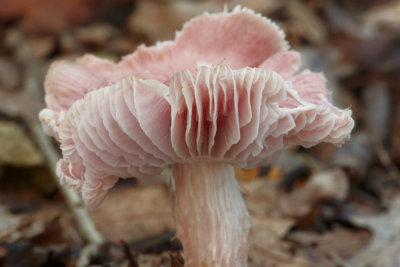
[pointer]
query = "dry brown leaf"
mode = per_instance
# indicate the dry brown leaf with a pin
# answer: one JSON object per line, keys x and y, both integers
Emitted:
{"x": 330, "y": 247}
{"x": 331, "y": 184}
{"x": 29, "y": 216}
{"x": 268, "y": 226}
{"x": 133, "y": 213}
{"x": 16, "y": 147}
{"x": 384, "y": 248}
{"x": 261, "y": 196}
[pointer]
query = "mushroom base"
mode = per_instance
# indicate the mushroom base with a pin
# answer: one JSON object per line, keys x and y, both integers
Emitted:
{"x": 212, "y": 219}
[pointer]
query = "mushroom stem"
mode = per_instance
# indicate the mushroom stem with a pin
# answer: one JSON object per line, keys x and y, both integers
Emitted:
{"x": 212, "y": 219}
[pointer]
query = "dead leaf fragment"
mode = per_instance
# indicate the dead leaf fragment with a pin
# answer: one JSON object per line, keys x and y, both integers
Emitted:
{"x": 331, "y": 184}
{"x": 341, "y": 243}
{"x": 16, "y": 147}
{"x": 384, "y": 248}
{"x": 268, "y": 226}
{"x": 135, "y": 213}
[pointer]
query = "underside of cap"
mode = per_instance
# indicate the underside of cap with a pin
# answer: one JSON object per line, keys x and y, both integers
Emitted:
{"x": 137, "y": 127}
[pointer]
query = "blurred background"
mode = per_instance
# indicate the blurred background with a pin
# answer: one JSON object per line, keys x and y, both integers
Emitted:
{"x": 317, "y": 207}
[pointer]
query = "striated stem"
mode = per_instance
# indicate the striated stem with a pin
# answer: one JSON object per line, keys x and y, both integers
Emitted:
{"x": 212, "y": 219}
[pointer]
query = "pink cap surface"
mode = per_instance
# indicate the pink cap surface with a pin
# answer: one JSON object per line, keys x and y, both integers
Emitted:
{"x": 226, "y": 90}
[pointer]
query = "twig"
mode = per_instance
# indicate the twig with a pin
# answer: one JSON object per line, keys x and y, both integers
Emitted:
{"x": 128, "y": 254}
{"x": 74, "y": 201}
{"x": 87, "y": 252}
{"x": 75, "y": 204}
{"x": 86, "y": 226}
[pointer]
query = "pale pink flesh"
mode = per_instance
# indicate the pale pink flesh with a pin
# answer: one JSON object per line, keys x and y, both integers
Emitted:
{"x": 217, "y": 233}
{"x": 226, "y": 91}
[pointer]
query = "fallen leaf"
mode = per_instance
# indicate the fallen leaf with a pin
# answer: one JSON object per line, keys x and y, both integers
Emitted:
{"x": 384, "y": 248}
{"x": 17, "y": 148}
{"x": 331, "y": 184}
{"x": 327, "y": 248}
{"x": 268, "y": 225}
{"x": 135, "y": 212}
{"x": 261, "y": 196}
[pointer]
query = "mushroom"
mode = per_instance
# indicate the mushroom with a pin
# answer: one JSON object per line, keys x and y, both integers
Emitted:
{"x": 225, "y": 92}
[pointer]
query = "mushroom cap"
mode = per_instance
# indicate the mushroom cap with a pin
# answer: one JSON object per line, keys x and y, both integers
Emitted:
{"x": 226, "y": 90}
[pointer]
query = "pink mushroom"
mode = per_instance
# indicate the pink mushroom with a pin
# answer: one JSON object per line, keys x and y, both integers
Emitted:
{"x": 225, "y": 92}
